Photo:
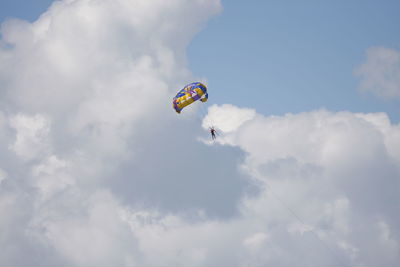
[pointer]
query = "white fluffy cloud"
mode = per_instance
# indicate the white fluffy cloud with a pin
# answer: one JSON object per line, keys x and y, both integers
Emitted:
{"x": 380, "y": 74}
{"x": 31, "y": 135}
{"x": 97, "y": 170}
{"x": 337, "y": 175}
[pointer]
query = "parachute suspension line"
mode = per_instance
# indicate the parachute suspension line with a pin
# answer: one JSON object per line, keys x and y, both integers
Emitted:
{"x": 199, "y": 116}
{"x": 203, "y": 110}
{"x": 204, "y": 113}
{"x": 201, "y": 113}
{"x": 291, "y": 211}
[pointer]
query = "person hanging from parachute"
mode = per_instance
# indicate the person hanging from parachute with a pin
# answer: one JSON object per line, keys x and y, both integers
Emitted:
{"x": 213, "y": 132}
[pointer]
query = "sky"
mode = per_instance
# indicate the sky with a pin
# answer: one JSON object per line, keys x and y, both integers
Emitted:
{"x": 296, "y": 56}
{"x": 97, "y": 169}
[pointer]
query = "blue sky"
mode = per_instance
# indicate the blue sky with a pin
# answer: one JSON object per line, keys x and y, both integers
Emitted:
{"x": 281, "y": 57}
{"x": 290, "y": 57}
{"x": 27, "y": 10}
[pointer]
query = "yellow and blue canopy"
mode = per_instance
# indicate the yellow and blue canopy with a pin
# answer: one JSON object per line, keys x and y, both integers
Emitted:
{"x": 189, "y": 94}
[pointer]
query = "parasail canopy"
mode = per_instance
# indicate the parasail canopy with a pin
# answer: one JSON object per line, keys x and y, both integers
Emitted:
{"x": 189, "y": 94}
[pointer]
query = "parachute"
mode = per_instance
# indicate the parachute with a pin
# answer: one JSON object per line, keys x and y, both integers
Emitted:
{"x": 189, "y": 94}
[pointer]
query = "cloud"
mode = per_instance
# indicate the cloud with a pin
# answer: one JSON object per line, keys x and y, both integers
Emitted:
{"x": 96, "y": 169}
{"x": 31, "y": 135}
{"x": 331, "y": 173}
{"x": 380, "y": 74}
